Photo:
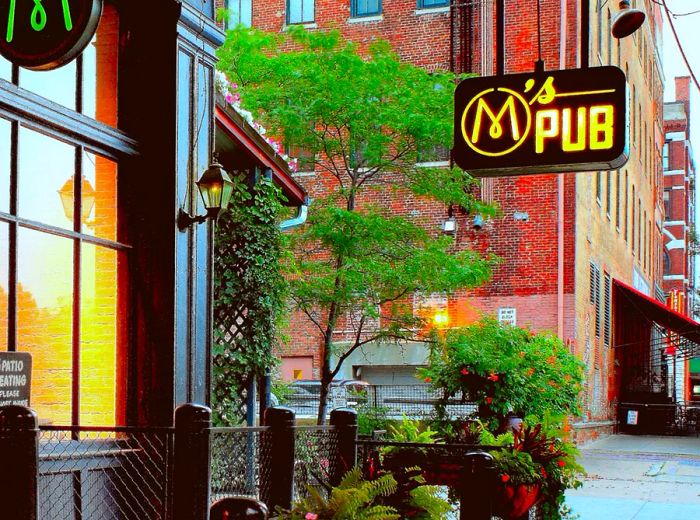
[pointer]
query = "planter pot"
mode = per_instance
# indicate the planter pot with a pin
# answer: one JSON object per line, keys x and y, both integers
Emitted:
{"x": 515, "y": 501}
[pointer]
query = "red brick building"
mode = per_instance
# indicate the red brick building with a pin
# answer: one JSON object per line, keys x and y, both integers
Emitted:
{"x": 680, "y": 240}
{"x": 679, "y": 199}
{"x": 562, "y": 238}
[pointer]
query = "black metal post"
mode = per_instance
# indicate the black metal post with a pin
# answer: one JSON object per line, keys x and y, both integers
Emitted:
{"x": 345, "y": 422}
{"x": 265, "y": 387}
{"x": 277, "y": 484}
{"x": 500, "y": 37}
{"x": 250, "y": 402}
{"x": 191, "y": 472}
{"x": 478, "y": 485}
{"x": 585, "y": 32}
{"x": 19, "y": 453}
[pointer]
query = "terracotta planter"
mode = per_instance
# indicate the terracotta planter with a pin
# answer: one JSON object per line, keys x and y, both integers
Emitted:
{"x": 514, "y": 501}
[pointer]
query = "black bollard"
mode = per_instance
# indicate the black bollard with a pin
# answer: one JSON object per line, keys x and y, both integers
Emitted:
{"x": 192, "y": 462}
{"x": 345, "y": 422}
{"x": 478, "y": 486}
{"x": 19, "y": 449}
{"x": 277, "y": 488}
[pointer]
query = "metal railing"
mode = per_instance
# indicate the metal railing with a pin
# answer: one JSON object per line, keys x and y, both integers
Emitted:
{"x": 104, "y": 473}
{"x": 659, "y": 419}
{"x": 394, "y": 401}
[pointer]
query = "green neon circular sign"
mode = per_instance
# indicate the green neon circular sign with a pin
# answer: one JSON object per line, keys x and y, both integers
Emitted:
{"x": 45, "y": 34}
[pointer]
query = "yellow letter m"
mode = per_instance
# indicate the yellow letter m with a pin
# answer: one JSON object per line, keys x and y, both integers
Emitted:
{"x": 496, "y": 129}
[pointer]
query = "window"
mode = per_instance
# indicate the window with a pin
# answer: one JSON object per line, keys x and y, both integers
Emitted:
{"x": 365, "y": 7}
{"x": 239, "y": 12}
{"x": 60, "y": 299}
{"x": 595, "y": 295}
{"x": 431, "y": 154}
{"x": 634, "y": 220}
{"x": 608, "y": 192}
{"x": 617, "y": 200}
{"x": 664, "y": 158}
{"x": 426, "y": 4}
{"x": 300, "y": 11}
{"x": 667, "y": 204}
{"x": 610, "y": 39}
{"x": 627, "y": 194}
{"x": 667, "y": 263}
{"x": 598, "y": 187}
{"x": 607, "y": 287}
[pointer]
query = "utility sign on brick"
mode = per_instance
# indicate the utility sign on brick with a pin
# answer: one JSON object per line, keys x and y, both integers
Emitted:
{"x": 541, "y": 122}
{"x": 15, "y": 378}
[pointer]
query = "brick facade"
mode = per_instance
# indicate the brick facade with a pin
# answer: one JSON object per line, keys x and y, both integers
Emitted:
{"x": 551, "y": 227}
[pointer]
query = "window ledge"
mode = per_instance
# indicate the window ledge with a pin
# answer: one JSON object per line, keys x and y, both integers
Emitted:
{"x": 432, "y": 10}
{"x": 305, "y": 25}
{"x": 307, "y": 173}
{"x": 433, "y": 164}
{"x": 366, "y": 19}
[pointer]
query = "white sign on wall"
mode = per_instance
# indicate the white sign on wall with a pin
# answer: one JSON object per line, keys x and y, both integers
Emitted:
{"x": 507, "y": 315}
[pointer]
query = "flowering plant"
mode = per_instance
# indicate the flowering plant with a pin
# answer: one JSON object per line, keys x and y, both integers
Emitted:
{"x": 503, "y": 368}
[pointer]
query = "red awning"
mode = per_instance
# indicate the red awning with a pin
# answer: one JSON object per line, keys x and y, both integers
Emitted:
{"x": 238, "y": 129}
{"x": 640, "y": 306}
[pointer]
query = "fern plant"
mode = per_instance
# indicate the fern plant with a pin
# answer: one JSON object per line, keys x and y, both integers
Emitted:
{"x": 354, "y": 499}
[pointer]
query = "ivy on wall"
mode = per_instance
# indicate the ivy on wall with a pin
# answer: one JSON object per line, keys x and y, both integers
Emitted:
{"x": 248, "y": 296}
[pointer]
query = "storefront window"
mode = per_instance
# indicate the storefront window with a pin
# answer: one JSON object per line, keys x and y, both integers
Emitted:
{"x": 5, "y": 69}
{"x": 96, "y": 95}
{"x": 46, "y": 168}
{"x": 44, "y": 320}
{"x": 65, "y": 267}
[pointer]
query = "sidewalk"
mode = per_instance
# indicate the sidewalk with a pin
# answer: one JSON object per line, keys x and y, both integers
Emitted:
{"x": 638, "y": 478}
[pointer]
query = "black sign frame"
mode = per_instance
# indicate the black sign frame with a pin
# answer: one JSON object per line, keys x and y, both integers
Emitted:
{"x": 15, "y": 378}
{"x": 46, "y": 34}
{"x": 509, "y": 125}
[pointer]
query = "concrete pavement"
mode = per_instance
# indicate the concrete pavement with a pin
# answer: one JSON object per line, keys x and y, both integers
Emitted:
{"x": 633, "y": 477}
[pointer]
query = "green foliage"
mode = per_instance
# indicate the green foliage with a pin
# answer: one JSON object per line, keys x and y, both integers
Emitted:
{"x": 282, "y": 390}
{"x": 354, "y": 499}
{"x": 371, "y": 418}
{"x": 364, "y": 117}
{"x": 249, "y": 295}
{"x": 504, "y": 368}
{"x": 409, "y": 430}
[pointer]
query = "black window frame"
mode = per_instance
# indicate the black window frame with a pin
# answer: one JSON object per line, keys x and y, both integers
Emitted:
{"x": 355, "y": 14}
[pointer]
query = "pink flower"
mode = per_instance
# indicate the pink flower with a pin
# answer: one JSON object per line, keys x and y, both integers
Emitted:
{"x": 234, "y": 86}
{"x": 311, "y": 516}
{"x": 229, "y": 98}
{"x": 236, "y": 97}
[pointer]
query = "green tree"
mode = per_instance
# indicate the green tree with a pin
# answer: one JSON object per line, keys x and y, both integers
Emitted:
{"x": 365, "y": 118}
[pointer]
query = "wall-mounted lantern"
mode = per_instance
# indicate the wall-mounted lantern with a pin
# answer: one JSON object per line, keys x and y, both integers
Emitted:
{"x": 215, "y": 187}
{"x": 627, "y": 20}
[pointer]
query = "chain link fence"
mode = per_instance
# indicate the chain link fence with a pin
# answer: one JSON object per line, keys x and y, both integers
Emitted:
{"x": 240, "y": 461}
{"x": 315, "y": 455}
{"x": 104, "y": 474}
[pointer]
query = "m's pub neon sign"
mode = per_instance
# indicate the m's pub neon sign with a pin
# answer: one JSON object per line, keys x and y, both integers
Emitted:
{"x": 542, "y": 122}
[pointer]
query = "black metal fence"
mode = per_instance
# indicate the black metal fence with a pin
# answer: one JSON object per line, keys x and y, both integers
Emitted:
{"x": 104, "y": 473}
{"x": 177, "y": 473}
{"x": 659, "y": 419}
{"x": 394, "y": 401}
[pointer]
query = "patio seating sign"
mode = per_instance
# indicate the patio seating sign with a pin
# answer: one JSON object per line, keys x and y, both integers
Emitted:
{"x": 632, "y": 417}
{"x": 15, "y": 378}
{"x": 541, "y": 122}
{"x": 46, "y": 34}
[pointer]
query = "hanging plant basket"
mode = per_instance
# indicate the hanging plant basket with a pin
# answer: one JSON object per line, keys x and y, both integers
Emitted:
{"x": 513, "y": 501}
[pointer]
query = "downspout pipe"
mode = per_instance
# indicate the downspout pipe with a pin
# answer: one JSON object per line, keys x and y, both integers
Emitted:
{"x": 299, "y": 219}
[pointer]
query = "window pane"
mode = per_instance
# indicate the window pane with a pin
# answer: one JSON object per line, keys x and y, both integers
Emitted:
{"x": 44, "y": 319}
{"x": 98, "y": 335}
{"x": 5, "y": 69}
{"x": 99, "y": 196}
{"x": 100, "y": 63}
{"x": 46, "y": 168}
{"x": 5, "y": 165}
{"x": 58, "y": 85}
{"x": 294, "y": 11}
{"x": 4, "y": 256}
